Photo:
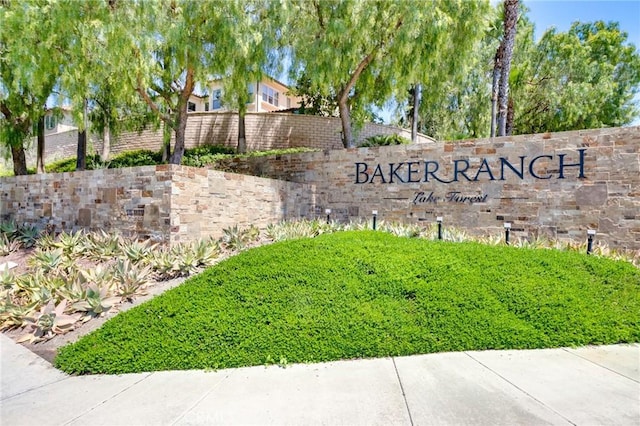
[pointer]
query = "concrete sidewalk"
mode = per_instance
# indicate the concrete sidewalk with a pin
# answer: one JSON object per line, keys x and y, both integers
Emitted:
{"x": 585, "y": 386}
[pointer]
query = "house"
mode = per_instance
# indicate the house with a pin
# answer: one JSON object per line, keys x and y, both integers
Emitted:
{"x": 58, "y": 121}
{"x": 267, "y": 95}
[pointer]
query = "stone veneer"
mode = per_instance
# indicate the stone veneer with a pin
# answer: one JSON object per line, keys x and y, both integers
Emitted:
{"x": 167, "y": 203}
{"x": 607, "y": 198}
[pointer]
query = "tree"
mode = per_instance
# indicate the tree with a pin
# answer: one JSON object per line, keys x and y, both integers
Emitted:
{"x": 175, "y": 45}
{"x": 364, "y": 52}
{"x": 256, "y": 27}
{"x": 33, "y": 43}
{"x": 584, "y": 78}
{"x": 502, "y": 69}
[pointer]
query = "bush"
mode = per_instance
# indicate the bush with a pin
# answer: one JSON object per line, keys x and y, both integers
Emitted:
{"x": 205, "y": 155}
{"x": 384, "y": 140}
{"x": 367, "y": 294}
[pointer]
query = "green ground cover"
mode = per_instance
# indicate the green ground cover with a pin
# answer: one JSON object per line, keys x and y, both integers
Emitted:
{"x": 367, "y": 294}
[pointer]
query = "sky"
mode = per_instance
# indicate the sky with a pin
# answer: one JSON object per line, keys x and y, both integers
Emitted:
{"x": 562, "y": 13}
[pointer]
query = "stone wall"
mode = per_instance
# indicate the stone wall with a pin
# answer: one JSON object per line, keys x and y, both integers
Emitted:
{"x": 166, "y": 203}
{"x": 551, "y": 199}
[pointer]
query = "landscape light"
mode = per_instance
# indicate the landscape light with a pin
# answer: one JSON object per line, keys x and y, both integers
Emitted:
{"x": 507, "y": 228}
{"x": 590, "y": 235}
{"x": 328, "y": 212}
{"x": 375, "y": 215}
{"x": 439, "y": 220}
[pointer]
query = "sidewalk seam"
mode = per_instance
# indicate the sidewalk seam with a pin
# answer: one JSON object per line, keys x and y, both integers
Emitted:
{"x": 519, "y": 388}
{"x": 35, "y": 388}
{"x": 108, "y": 399}
{"x": 206, "y": 394}
{"x": 600, "y": 365}
{"x": 404, "y": 395}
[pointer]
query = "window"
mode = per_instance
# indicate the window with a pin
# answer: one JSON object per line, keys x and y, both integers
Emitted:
{"x": 49, "y": 122}
{"x": 269, "y": 95}
{"x": 191, "y": 107}
{"x": 206, "y": 106}
{"x": 216, "y": 99}
{"x": 250, "y": 89}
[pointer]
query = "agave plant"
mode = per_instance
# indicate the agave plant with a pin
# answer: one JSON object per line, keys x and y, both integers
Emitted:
{"x": 48, "y": 260}
{"x": 72, "y": 244}
{"x": 137, "y": 251}
{"x": 97, "y": 301}
{"x": 103, "y": 246}
{"x": 236, "y": 239}
{"x": 46, "y": 242}
{"x": 9, "y": 229}
{"x": 13, "y": 315}
{"x": 100, "y": 275}
{"x": 7, "y": 245}
{"x": 28, "y": 235}
{"x": 7, "y": 279}
{"x": 164, "y": 265}
{"x": 130, "y": 279}
{"x": 187, "y": 261}
{"x": 48, "y": 322}
{"x": 206, "y": 252}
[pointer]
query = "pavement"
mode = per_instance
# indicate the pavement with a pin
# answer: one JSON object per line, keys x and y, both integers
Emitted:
{"x": 582, "y": 386}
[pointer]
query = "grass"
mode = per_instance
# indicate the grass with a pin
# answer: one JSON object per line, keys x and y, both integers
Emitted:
{"x": 367, "y": 294}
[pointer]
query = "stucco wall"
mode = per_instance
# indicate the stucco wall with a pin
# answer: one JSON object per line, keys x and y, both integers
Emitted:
{"x": 167, "y": 203}
{"x": 605, "y": 198}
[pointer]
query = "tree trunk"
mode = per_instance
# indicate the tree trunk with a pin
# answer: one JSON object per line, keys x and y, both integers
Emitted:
{"x": 19, "y": 160}
{"x": 417, "y": 97}
{"x": 242, "y": 137}
{"x": 81, "y": 153}
{"x": 497, "y": 65}
{"x": 166, "y": 142}
{"x": 178, "y": 148}
{"x": 345, "y": 119}
{"x": 510, "y": 115}
{"x": 106, "y": 144}
{"x": 510, "y": 21}
{"x": 40, "y": 146}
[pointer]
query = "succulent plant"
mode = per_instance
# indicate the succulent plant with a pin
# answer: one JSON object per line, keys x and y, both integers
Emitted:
{"x": 48, "y": 322}
{"x": 9, "y": 229}
{"x": 72, "y": 244}
{"x": 103, "y": 246}
{"x": 48, "y": 260}
{"x": 137, "y": 251}
{"x": 97, "y": 301}
{"x": 7, "y": 245}
{"x": 130, "y": 279}
{"x": 28, "y": 235}
{"x": 12, "y": 315}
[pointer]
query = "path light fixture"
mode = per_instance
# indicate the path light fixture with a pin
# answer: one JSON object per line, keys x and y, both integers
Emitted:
{"x": 375, "y": 216}
{"x": 590, "y": 234}
{"x": 328, "y": 213}
{"x": 507, "y": 230}
{"x": 439, "y": 220}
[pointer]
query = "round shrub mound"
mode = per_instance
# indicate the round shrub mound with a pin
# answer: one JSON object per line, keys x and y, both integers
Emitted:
{"x": 367, "y": 294}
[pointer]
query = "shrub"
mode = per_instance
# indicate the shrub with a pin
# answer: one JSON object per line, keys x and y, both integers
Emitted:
{"x": 384, "y": 140}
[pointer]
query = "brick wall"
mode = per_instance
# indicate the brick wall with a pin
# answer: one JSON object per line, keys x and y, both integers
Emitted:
{"x": 167, "y": 203}
{"x": 607, "y": 198}
{"x": 263, "y": 132}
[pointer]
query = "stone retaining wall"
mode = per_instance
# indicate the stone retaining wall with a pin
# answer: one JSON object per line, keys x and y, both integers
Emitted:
{"x": 167, "y": 203}
{"x": 487, "y": 192}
